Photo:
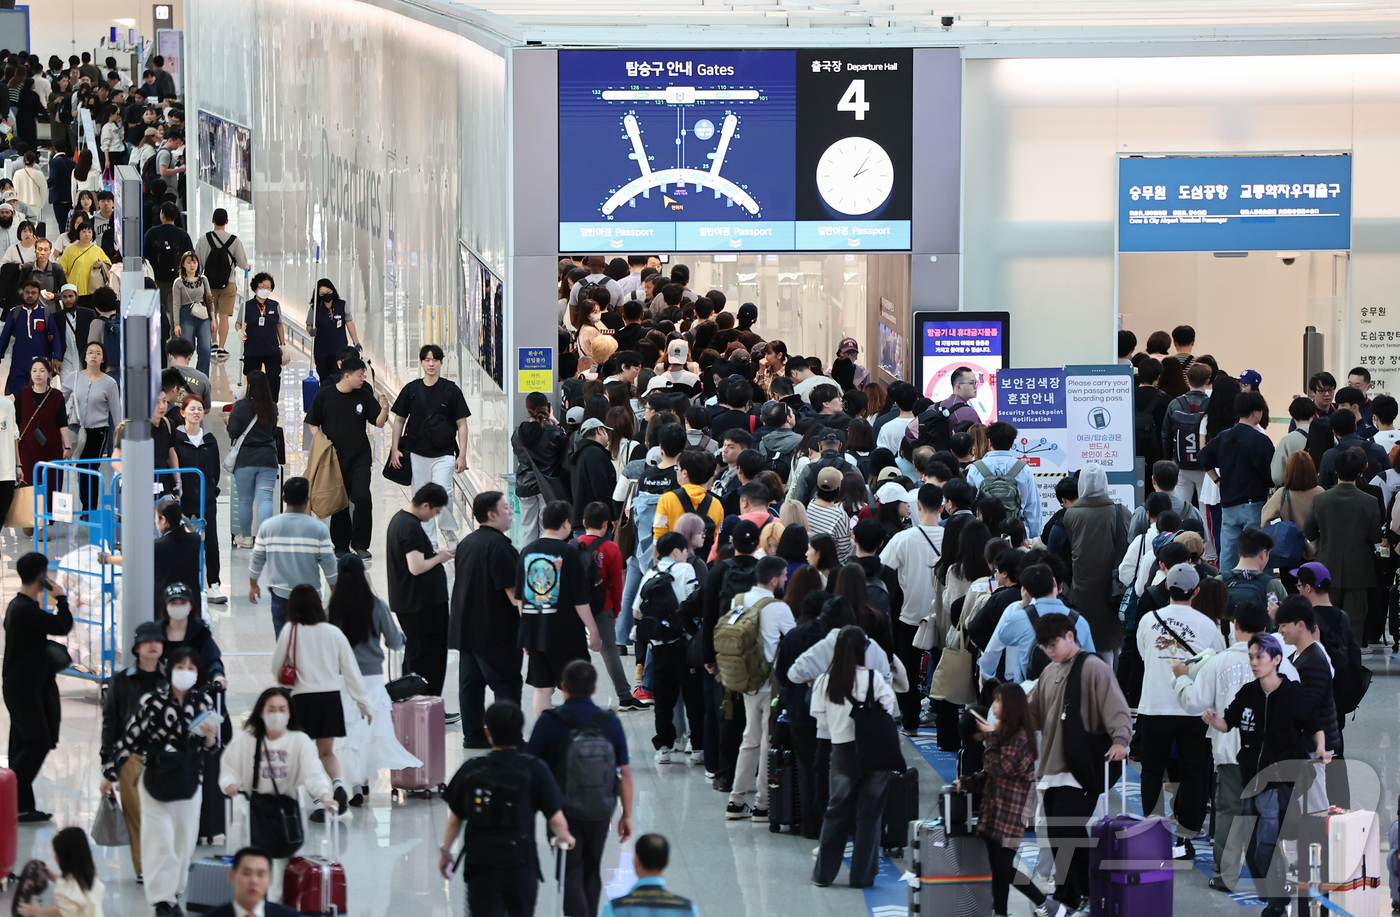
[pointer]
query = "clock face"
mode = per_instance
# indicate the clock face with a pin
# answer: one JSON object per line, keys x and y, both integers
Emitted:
{"x": 855, "y": 175}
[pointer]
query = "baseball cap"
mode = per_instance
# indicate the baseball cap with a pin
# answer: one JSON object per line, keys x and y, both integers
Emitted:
{"x": 745, "y": 536}
{"x": 592, "y": 424}
{"x": 1183, "y": 577}
{"x": 1313, "y": 574}
{"x": 890, "y": 492}
{"x": 888, "y": 473}
{"x": 658, "y": 382}
{"x": 1193, "y": 541}
{"x": 150, "y": 131}
{"x": 1250, "y": 377}
{"x": 180, "y": 592}
{"x": 748, "y": 312}
{"x": 828, "y": 479}
{"x": 574, "y": 415}
{"x": 848, "y": 344}
{"x": 148, "y": 632}
{"x": 677, "y": 351}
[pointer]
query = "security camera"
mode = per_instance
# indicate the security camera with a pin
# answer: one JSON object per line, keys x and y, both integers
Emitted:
{"x": 947, "y": 22}
{"x": 1286, "y": 257}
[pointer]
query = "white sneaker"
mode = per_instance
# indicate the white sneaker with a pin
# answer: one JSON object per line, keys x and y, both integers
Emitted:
{"x": 697, "y": 758}
{"x": 214, "y": 595}
{"x": 244, "y": 541}
{"x": 663, "y": 756}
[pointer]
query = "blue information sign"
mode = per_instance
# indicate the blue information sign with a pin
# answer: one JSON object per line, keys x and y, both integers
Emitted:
{"x": 1234, "y": 203}
{"x": 1031, "y": 397}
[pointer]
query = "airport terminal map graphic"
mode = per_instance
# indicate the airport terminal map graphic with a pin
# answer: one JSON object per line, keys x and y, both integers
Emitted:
{"x": 684, "y": 150}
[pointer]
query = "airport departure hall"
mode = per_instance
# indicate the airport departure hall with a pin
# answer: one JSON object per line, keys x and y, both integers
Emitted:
{"x": 724, "y": 457}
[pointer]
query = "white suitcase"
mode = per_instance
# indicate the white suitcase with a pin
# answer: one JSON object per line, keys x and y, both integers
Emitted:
{"x": 1349, "y": 860}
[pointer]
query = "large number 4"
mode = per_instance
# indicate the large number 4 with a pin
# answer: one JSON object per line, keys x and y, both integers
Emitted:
{"x": 854, "y": 100}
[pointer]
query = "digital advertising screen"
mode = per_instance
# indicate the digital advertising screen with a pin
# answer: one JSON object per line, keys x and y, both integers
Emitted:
{"x": 699, "y": 151}
{"x": 949, "y": 340}
{"x": 1234, "y": 203}
{"x": 226, "y": 156}
{"x": 891, "y": 351}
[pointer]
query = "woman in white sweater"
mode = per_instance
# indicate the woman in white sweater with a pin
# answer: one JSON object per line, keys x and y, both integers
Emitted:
{"x": 857, "y": 799}
{"x": 325, "y": 665}
{"x": 286, "y": 758}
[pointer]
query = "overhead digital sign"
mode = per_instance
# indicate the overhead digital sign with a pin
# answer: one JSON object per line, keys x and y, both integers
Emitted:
{"x": 1234, "y": 203}
{"x": 700, "y": 151}
{"x": 949, "y": 340}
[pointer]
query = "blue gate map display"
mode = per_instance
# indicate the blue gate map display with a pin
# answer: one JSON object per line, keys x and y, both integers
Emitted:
{"x": 1234, "y": 203}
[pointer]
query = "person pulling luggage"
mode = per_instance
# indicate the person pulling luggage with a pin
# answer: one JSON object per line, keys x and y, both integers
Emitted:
{"x": 124, "y": 696}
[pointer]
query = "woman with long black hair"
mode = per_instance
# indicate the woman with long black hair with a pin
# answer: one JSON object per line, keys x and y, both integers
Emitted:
{"x": 254, "y": 417}
{"x": 365, "y": 620}
{"x": 857, "y": 800}
{"x": 850, "y": 584}
{"x": 329, "y": 322}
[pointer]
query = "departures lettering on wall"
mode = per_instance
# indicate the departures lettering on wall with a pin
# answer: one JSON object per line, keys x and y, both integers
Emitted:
{"x": 350, "y": 191}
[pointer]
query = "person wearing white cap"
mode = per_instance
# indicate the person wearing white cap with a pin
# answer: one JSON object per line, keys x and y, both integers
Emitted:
{"x": 1166, "y": 637}
{"x": 594, "y": 476}
{"x": 678, "y": 368}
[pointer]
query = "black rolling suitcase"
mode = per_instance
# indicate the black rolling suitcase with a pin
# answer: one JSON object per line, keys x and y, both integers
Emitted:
{"x": 213, "y": 820}
{"x": 784, "y": 806}
{"x": 901, "y": 808}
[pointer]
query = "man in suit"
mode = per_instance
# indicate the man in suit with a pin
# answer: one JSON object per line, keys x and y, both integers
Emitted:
{"x": 249, "y": 876}
{"x": 1345, "y": 522}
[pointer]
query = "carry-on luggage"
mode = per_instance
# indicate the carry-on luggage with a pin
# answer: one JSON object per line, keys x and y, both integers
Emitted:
{"x": 208, "y": 885}
{"x": 953, "y": 875}
{"x": 1349, "y": 862}
{"x": 1130, "y": 862}
{"x": 9, "y": 822}
{"x": 309, "y": 387}
{"x": 784, "y": 804}
{"x": 316, "y": 884}
{"x": 901, "y": 808}
{"x": 213, "y": 820}
{"x": 420, "y": 724}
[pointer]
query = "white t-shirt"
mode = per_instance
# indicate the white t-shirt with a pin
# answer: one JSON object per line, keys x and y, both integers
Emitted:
{"x": 892, "y": 434}
{"x": 1160, "y": 652}
{"x": 912, "y": 555}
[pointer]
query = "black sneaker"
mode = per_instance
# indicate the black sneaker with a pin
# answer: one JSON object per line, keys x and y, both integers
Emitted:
{"x": 318, "y": 815}
{"x": 478, "y": 742}
{"x": 341, "y": 798}
{"x": 737, "y": 810}
{"x": 363, "y": 553}
{"x": 34, "y": 818}
{"x": 760, "y": 816}
{"x": 1187, "y": 850}
{"x": 628, "y": 702}
{"x": 622, "y": 649}
{"x": 452, "y": 718}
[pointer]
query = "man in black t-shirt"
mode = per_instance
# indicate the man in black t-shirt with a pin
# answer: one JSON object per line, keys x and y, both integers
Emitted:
{"x": 484, "y": 621}
{"x": 556, "y": 616}
{"x": 429, "y": 425}
{"x": 418, "y": 586}
{"x": 499, "y": 864}
{"x": 342, "y": 410}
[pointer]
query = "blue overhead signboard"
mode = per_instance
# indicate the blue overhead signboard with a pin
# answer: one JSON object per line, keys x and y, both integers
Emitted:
{"x": 1234, "y": 203}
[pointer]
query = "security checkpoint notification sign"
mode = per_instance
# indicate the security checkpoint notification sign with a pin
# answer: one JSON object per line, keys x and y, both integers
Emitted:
{"x": 535, "y": 370}
{"x": 1068, "y": 417}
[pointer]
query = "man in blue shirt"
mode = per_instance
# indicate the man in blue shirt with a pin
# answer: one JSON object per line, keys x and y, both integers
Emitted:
{"x": 1001, "y": 461}
{"x": 549, "y": 741}
{"x": 649, "y": 897}
{"x": 1015, "y": 633}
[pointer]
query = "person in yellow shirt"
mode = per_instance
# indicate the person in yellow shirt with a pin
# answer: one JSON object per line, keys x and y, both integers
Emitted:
{"x": 78, "y": 259}
{"x": 696, "y": 469}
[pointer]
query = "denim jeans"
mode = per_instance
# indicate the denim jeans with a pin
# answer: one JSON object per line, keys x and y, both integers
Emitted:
{"x": 279, "y": 613}
{"x": 1268, "y": 807}
{"x": 196, "y": 330}
{"x": 1233, "y": 521}
{"x": 629, "y": 595}
{"x": 254, "y": 483}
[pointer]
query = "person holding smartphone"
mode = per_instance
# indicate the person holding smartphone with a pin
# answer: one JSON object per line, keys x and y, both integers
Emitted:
{"x": 29, "y": 679}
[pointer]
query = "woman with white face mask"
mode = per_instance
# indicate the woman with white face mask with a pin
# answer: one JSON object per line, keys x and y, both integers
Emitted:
{"x": 184, "y": 628}
{"x": 174, "y": 723}
{"x": 286, "y": 758}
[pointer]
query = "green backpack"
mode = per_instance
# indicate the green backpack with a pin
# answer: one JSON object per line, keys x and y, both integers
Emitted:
{"x": 1002, "y": 487}
{"x": 739, "y": 661}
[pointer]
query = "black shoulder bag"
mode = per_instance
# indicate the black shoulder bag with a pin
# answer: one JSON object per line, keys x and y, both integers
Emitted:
{"x": 274, "y": 820}
{"x": 877, "y": 738}
{"x": 175, "y": 771}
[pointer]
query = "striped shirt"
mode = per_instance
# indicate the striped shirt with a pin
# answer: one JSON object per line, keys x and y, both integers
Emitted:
{"x": 290, "y": 546}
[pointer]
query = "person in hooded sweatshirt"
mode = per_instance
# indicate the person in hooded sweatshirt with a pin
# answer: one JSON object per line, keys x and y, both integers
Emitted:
{"x": 539, "y": 444}
{"x": 1092, "y": 525}
{"x": 594, "y": 475}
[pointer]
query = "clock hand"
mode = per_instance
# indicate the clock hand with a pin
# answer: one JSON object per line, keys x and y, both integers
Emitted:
{"x": 862, "y": 167}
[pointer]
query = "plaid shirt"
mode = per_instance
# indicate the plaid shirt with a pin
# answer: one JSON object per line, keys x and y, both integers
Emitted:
{"x": 1007, "y": 782}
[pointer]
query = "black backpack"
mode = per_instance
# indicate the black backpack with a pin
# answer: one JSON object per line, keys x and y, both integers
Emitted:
{"x": 661, "y": 610}
{"x": 1350, "y": 679}
{"x": 1247, "y": 586}
{"x": 933, "y": 431}
{"x": 150, "y": 172}
{"x": 497, "y": 799}
{"x": 593, "y": 575}
{"x": 1149, "y": 438}
{"x": 1038, "y": 658}
{"x": 877, "y": 593}
{"x": 704, "y": 513}
{"x": 219, "y": 268}
{"x": 587, "y": 771}
{"x": 736, "y": 581}
{"x": 588, "y": 290}
{"x": 1188, "y": 418}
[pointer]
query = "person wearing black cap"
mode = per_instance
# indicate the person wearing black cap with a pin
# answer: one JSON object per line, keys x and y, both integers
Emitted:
{"x": 123, "y": 701}
{"x": 850, "y": 349}
{"x": 748, "y": 314}
{"x": 182, "y": 626}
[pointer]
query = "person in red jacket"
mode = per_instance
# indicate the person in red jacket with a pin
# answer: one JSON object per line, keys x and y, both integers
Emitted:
{"x": 597, "y": 516}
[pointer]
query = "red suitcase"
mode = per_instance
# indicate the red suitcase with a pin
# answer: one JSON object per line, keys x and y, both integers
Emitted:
{"x": 9, "y": 822}
{"x": 420, "y": 723}
{"x": 315, "y": 884}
